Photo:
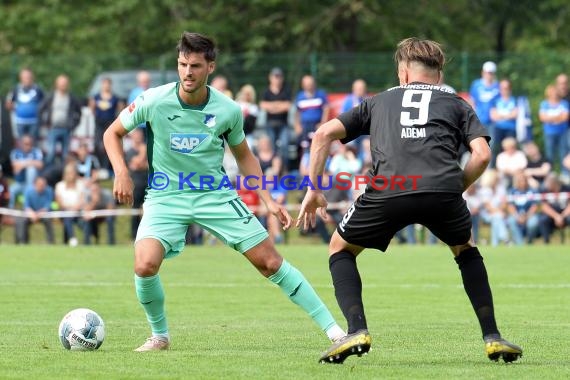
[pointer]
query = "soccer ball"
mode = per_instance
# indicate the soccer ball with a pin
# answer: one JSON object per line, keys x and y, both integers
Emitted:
{"x": 82, "y": 330}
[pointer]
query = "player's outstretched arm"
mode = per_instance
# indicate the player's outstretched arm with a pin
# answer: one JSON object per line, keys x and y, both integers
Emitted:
{"x": 249, "y": 166}
{"x": 480, "y": 158}
{"x": 123, "y": 185}
{"x": 320, "y": 148}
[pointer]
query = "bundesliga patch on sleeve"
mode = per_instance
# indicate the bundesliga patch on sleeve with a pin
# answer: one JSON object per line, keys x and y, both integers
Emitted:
{"x": 185, "y": 143}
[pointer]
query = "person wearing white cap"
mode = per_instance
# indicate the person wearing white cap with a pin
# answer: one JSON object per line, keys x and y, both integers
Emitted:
{"x": 483, "y": 93}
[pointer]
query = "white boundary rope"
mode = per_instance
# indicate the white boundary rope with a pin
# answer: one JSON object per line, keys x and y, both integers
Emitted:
{"x": 550, "y": 197}
{"x": 127, "y": 212}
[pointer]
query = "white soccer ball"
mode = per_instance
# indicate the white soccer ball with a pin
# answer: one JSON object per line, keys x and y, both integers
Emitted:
{"x": 82, "y": 330}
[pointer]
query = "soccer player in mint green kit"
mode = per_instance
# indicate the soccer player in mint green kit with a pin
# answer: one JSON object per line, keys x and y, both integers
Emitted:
{"x": 188, "y": 124}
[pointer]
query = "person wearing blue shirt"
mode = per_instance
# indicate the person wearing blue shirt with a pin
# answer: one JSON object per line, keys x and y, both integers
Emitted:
{"x": 312, "y": 110}
{"x": 105, "y": 107}
{"x": 522, "y": 209}
{"x": 26, "y": 161}
{"x": 356, "y": 96}
{"x": 37, "y": 201}
{"x": 553, "y": 114}
{"x": 24, "y": 101}
{"x": 352, "y": 100}
{"x": 143, "y": 84}
{"x": 504, "y": 113}
{"x": 483, "y": 93}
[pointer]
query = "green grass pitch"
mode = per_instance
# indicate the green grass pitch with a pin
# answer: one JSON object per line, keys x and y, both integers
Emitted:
{"x": 227, "y": 322}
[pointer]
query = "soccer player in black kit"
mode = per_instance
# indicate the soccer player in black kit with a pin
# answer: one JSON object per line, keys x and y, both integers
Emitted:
{"x": 416, "y": 129}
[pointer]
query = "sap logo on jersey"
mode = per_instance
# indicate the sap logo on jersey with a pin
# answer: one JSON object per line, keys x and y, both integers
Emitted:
{"x": 186, "y": 142}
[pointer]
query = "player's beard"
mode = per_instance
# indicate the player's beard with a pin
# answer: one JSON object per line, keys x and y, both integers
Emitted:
{"x": 195, "y": 87}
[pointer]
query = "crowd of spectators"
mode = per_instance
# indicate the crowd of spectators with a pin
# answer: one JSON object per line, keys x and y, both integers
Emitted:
{"x": 47, "y": 172}
{"x": 523, "y": 195}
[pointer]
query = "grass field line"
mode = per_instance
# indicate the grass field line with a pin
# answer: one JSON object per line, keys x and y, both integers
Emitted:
{"x": 213, "y": 285}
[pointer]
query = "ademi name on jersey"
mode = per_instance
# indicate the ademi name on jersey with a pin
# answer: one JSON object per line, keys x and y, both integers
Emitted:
{"x": 186, "y": 142}
{"x": 413, "y": 133}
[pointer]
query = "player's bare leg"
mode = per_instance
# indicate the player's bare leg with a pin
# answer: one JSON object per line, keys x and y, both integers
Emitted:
{"x": 348, "y": 292}
{"x": 149, "y": 254}
{"x": 476, "y": 284}
{"x": 292, "y": 282}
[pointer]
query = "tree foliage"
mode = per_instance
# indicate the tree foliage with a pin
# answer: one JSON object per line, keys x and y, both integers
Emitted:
{"x": 259, "y": 26}
{"x": 83, "y": 37}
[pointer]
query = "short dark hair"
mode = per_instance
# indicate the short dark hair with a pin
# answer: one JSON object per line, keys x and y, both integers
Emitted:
{"x": 197, "y": 43}
{"x": 428, "y": 53}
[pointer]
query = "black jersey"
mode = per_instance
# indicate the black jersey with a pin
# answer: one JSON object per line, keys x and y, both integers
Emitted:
{"x": 415, "y": 131}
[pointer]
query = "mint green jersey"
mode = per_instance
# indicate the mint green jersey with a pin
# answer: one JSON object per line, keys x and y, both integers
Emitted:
{"x": 185, "y": 144}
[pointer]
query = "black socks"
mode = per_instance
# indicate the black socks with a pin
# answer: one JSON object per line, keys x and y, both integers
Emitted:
{"x": 348, "y": 289}
{"x": 477, "y": 287}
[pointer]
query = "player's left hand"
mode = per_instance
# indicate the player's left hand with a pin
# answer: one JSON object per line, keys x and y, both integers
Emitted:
{"x": 281, "y": 213}
{"x": 313, "y": 201}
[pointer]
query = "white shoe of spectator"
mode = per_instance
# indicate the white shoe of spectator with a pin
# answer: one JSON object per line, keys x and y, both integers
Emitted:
{"x": 73, "y": 242}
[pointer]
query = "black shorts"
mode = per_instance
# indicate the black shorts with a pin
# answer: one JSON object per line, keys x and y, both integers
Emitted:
{"x": 371, "y": 223}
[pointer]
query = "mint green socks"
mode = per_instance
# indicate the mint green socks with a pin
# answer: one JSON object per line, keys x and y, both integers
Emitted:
{"x": 151, "y": 296}
{"x": 298, "y": 289}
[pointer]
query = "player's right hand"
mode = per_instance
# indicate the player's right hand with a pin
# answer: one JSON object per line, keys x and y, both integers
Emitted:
{"x": 123, "y": 188}
{"x": 313, "y": 201}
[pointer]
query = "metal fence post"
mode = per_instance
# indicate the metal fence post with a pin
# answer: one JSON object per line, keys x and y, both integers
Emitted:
{"x": 314, "y": 65}
{"x": 465, "y": 71}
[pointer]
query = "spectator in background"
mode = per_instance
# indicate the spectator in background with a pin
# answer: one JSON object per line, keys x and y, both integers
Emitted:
{"x": 553, "y": 114}
{"x": 356, "y": 96}
{"x": 344, "y": 160}
{"x": 483, "y": 93}
{"x": 347, "y": 162}
{"x": 246, "y": 100}
{"x": 555, "y": 207}
{"x": 524, "y": 120}
{"x": 37, "y": 201}
{"x": 352, "y": 100}
{"x": 60, "y": 113}
{"x": 220, "y": 83}
{"x": 143, "y": 84}
{"x": 137, "y": 163}
{"x": 268, "y": 159}
{"x": 312, "y": 110}
{"x": 26, "y": 161}
{"x": 510, "y": 160}
{"x": 493, "y": 196}
{"x": 537, "y": 167}
{"x": 87, "y": 164}
{"x": 97, "y": 198}
{"x": 562, "y": 88}
{"x": 474, "y": 202}
{"x": 24, "y": 101}
{"x": 105, "y": 106}
{"x": 276, "y": 102}
{"x": 522, "y": 209}
{"x": 69, "y": 195}
{"x": 504, "y": 112}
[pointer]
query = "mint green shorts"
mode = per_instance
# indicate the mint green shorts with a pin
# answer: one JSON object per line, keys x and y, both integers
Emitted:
{"x": 222, "y": 213}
